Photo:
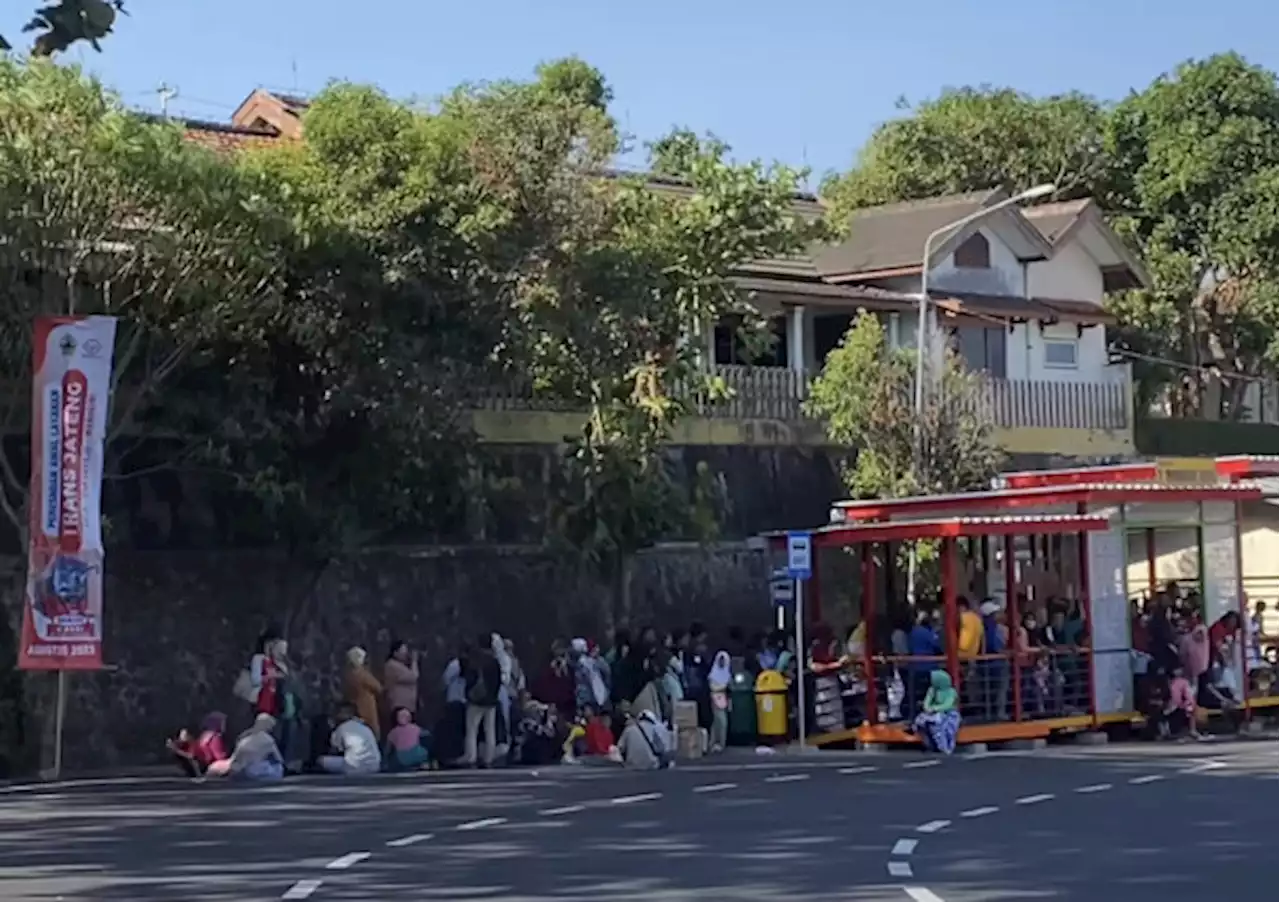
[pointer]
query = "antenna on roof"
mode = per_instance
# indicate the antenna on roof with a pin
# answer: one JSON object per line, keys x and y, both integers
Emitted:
{"x": 293, "y": 68}
{"x": 165, "y": 93}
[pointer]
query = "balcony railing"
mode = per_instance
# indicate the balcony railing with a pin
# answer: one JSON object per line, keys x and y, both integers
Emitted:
{"x": 776, "y": 393}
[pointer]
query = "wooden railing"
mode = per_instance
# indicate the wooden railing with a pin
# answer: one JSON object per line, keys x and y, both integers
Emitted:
{"x": 777, "y": 393}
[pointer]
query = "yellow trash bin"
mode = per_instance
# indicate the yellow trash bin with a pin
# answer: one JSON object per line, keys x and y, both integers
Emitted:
{"x": 771, "y": 705}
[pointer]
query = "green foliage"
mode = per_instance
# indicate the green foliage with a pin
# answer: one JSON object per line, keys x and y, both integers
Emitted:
{"x": 969, "y": 139}
{"x": 106, "y": 212}
{"x": 59, "y": 25}
{"x": 864, "y": 395}
{"x": 1194, "y": 184}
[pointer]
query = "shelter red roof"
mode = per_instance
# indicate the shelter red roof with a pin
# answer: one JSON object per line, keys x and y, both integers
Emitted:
{"x": 1247, "y": 466}
{"x": 841, "y": 534}
{"x": 1135, "y": 472}
{"x": 1039, "y": 496}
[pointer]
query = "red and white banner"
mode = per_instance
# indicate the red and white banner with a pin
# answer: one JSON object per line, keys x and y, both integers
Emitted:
{"x": 71, "y": 385}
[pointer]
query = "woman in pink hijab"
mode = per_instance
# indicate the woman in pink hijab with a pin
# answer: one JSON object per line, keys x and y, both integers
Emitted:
{"x": 1195, "y": 651}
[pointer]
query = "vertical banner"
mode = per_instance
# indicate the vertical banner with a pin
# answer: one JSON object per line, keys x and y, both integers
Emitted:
{"x": 71, "y": 384}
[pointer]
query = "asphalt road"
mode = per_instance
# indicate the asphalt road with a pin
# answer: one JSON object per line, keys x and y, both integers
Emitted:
{"x": 1127, "y": 823}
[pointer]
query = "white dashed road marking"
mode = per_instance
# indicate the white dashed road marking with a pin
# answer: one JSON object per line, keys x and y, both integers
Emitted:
{"x": 905, "y": 846}
{"x": 715, "y": 787}
{"x": 482, "y": 823}
{"x": 302, "y": 889}
{"x": 900, "y": 869}
{"x": 1201, "y": 768}
{"x": 346, "y": 861}
{"x": 980, "y": 812}
{"x": 786, "y": 778}
{"x": 1031, "y": 800}
{"x": 855, "y": 770}
{"x": 410, "y": 840}
{"x": 915, "y": 764}
{"x": 1093, "y": 787}
{"x": 1149, "y": 778}
{"x": 642, "y": 797}
{"x": 933, "y": 826}
{"x": 563, "y": 809}
{"x": 922, "y": 894}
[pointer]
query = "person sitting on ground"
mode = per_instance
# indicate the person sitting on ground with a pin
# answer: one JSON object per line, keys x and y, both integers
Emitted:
{"x": 355, "y": 743}
{"x": 1180, "y": 709}
{"x": 645, "y": 743}
{"x": 406, "y": 743}
{"x": 197, "y": 751}
{"x": 1220, "y": 692}
{"x": 256, "y": 755}
{"x": 938, "y": 723}
{"x": 538, "y": 732}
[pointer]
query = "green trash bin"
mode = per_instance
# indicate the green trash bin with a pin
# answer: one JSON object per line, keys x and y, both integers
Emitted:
{"x": 742, "y": 710}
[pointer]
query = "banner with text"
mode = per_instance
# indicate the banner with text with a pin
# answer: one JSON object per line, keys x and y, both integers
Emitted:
{"x": 71, "y": 384}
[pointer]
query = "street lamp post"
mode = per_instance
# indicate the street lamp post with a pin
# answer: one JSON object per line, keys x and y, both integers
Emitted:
{"x": 922, "y": 327}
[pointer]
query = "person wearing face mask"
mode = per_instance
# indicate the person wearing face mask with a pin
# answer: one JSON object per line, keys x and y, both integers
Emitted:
{"x": 1030, "y": 661}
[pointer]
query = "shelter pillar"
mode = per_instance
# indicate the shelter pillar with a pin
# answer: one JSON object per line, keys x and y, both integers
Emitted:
{"x": 869, "y": 619}
{"x": 950, "y": 617}
{"x": 1014, "y": 617}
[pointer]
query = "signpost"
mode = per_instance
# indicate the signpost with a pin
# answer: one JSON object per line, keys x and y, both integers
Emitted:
{"x": 800, "y": 569}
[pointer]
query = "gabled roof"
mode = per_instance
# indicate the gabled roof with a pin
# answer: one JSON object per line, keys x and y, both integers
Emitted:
{"x": 1062, "y": 221}
{"x": 887, "y": 240}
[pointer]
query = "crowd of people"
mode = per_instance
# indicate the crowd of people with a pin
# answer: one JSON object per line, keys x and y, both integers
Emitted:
{"x": 1182, "y": 663}
{"x": 616, "y": 705}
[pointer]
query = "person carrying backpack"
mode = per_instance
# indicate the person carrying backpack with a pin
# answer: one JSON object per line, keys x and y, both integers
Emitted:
{"x": 483, "y": 677}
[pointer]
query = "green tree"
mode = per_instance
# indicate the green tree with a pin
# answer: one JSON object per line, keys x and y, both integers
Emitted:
{"x": 57, "y": 26}
{"x": 864, "y": 396}
{"x": 968, "y": 139}
{"x": 1194, "y": 184}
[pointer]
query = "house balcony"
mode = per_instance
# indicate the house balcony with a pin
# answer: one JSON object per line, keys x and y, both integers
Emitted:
{"x": 766, "y": 403}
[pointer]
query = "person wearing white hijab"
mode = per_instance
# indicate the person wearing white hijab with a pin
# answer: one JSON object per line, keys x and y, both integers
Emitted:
{"x": 718, "y": 680}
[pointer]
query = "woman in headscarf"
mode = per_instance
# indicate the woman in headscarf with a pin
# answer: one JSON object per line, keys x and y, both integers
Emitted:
{"x": 400, "y": 679}
{"x": 362, "y": 688}
{"x": 938, "y": 723}
{"x": 718, "y": 680}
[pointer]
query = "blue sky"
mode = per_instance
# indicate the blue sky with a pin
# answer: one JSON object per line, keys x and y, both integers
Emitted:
{"x": 803, "y": 81}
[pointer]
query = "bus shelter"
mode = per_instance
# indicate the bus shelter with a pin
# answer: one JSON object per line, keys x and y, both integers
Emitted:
{"x": 1063, "y": 535}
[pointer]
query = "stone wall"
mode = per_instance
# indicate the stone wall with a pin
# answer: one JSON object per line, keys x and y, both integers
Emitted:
{"x": 181, "y": 626}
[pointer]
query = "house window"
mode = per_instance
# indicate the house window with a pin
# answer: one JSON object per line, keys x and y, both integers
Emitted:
{"x": 973, "y": 253}
{"x": 1060, "y": 355}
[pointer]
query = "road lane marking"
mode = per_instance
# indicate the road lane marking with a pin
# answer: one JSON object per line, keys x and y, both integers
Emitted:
{"x": 933, "y": 826}
{"x": 856, "y": 770}
{"x": 922, "y": 894}
{"x": 302, "y": 889}
{"x": 715, "y": 787}
{"x": 900, "y": 869}
{"x": 915, "y": 764}
{"x": 786, "y": 778}
{"x": 410, "y": 840}
{"x": 482, "y": 823}
{"x": 346, "y": 861}
{"x": 980, "y": 812}
{"x": 1031, "y": 800}
{"x": 564, "y": 809}
{"x": 1206, "y": 766}
{"x": 1093, "y": 787}
{"x": 642, "y": 797}
{"x": 905, "y": 846}
{"x": 1149, "y": 778}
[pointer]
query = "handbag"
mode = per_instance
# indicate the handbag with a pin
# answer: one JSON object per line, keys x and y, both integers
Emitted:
{"x": 243, "y": 687}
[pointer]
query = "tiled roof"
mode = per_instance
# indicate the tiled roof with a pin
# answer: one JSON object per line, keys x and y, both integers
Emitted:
{"x": 222, "y": 137}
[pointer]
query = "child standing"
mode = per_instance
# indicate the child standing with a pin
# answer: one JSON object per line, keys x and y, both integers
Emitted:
{"x": 718, "y": 680}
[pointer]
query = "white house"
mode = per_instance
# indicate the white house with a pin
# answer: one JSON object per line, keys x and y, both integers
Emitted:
{"x": 1019, "y": 295}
